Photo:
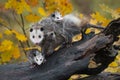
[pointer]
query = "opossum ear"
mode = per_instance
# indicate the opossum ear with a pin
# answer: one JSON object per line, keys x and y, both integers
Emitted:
{"x": 31, "y": 30}
{"x": 34, "y": 54}
{"x": 41, "y": 29}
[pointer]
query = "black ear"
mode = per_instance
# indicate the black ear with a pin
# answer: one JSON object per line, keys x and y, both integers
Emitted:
{"x": 34, "y": 54}
{"x": 31, "y": 30}
{"x": 41, "y": 29}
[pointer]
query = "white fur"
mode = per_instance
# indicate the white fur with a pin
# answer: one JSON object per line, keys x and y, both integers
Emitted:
{"x": 72, "y": 18}
{"x": 36, "y": 33}
{"x": 58, "y": 17}
{"x": 39, "y": 59}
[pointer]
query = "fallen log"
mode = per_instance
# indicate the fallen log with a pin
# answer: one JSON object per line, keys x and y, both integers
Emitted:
{"x": 91, "y": 56}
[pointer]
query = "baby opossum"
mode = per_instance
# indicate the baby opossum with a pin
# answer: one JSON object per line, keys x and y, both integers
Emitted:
{"x": 35, "y": 57}
{"x": 56, "y": 16}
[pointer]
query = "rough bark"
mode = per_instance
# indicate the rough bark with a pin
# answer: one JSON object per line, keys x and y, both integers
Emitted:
{"x": 93, "y": 49}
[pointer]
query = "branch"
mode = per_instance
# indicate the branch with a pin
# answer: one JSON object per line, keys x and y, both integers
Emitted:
{"x": 23, "y": 29}
{"x": 97, "y": 50}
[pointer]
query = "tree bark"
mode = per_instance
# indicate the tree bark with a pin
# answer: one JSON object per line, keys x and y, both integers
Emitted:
{"x": 91, "y": 55}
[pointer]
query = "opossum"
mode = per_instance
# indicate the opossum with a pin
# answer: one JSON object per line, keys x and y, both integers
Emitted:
{"x": 35, "y": 57}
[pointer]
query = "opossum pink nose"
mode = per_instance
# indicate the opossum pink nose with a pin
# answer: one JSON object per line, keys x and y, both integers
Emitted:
{"x": 37, "y": 43}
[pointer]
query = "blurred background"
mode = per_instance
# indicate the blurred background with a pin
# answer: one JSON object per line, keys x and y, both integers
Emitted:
{"x": 17, "y": 15}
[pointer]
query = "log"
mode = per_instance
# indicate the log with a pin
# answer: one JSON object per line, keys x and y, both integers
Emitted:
{"x": 103, "y": 76}
{"x": 91, "y": 56}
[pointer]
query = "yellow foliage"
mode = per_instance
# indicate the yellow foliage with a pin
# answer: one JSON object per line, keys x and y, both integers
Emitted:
{"x": 8, "y": 32}
{"x": 16, "y": 53}
{"x": 88, "y": 31}
{"x": 113, "y": 64}
{"x": 32, "y": 17}
{"x": 97, "y": 17}
{"x": 32, "y": 3}
{"x": 93, "y": 21}
{"x": 6, "y": 56}
{"x": 77, "y": 38}
{"x": 6, "y": 45}
{"x": 41, "y": 11}
{"x": 0, "y": 35}
{"x": 64, "y": 6}
{"x": 18, "y": 5}
{"x": 81, "y": 15}
{"x": 97, "y": 31}
{"x": 21, "y": 37}
{"x": 111, "y": 69}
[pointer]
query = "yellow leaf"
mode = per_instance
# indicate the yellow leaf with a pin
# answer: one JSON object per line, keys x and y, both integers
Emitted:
{"x": 6, "y": 45}
{"x": 112, "y": 70}
{"x": 98, "y": 18}
{"x": 81, "y": 15}
{"x": 21, "y": 37}
{"x": 57, "y": 48}
{"x": 16, "y": 5}
{"x": 8, "y": 32}
{"x": 14, "y": 32}
{"x": 88, "y": 31}
{"x": 93, "y": 21}
{"x": 16, "y": 53}
{"x": 97, "y": 31}
{"x": 75, "y": 77}
{"x": 113, "y": 64}
{"x": 63, "y": 6}
{"x": 32, "y": 17}
{"x": 77, "y": 38}
{"x": 41, "y": 11}
{"x": 6, "y": 56}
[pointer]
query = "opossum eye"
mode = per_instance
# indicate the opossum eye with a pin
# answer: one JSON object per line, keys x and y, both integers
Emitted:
{"x": 41, "y": 29}
{"x": 40, "y": 59}
{"x": 39, "y": 36}
{"x": 36, "y": 59}
{"x": 31, "y": 30}
{"x": 53, "y": 15}
{"x": 33, "y": 36}
{"x": 51, "y": 33}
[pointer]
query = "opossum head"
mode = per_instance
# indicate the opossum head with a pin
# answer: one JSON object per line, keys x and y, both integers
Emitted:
{"x": 56, "y": 16}
{"x": 38, "y": 58}
{"x": 36, "y": 34}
